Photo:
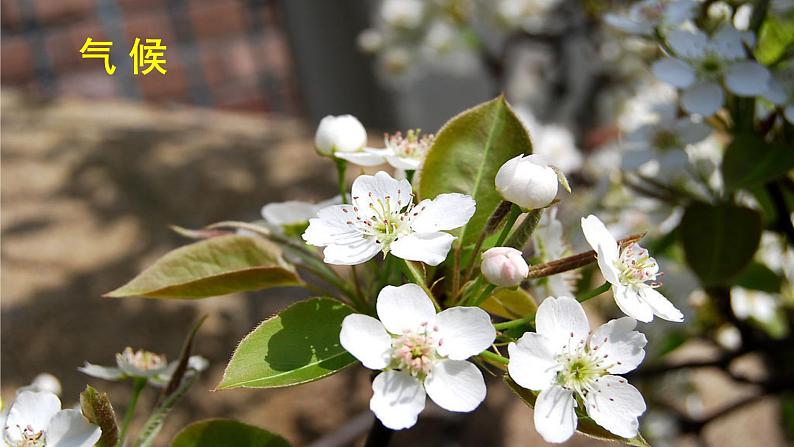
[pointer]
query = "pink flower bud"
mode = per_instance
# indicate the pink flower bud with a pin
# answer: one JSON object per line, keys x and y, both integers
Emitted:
{"x": 504, "y": 266}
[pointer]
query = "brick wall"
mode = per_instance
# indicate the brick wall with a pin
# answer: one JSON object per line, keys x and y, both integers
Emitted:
{"x": 221, "y": 53}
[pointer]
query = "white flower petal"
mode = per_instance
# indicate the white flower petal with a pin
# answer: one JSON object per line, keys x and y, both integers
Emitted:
{"x": 101, "y": 372}
{"x": 351, "y": 254}
{"x": 678, "y": 12}
{"x": 405, "y": 163}
{"x": 690, "y": 132}
{"x": 788, "y": 113}
{"x": 607, "y": 266}
{"x": 366, "y": 338}
{"x": 661, "y": 306}
{"x": 397, "y": 399}
{"x": 380, "y": 190}
{"x": 619, "y": 344}
{"x": 729, "y": 43}
{"x": 555, "y": 418}
{"x": 775, "y": 92}
{"x": 331, "y": 227}
{"x": 445, "y": 212}
{"x": 360, "y": 158}
{"x": 615, "y": 405}
{"x": 404, "y": 308}
{"x": 627, "y": 25}
{"x": 629, "y": 301}
{"x": 288, "y": 213}
{"x": 69, "y": 428}
{"x": 430, "y": 248}
{"x": 704, "y": 99}
{"x": 532, "y": 363}
{"x": 747, "y": 78}
{"x": 562, "y": 321}
{"x": 32, "y": 409}
{"x": 597, "y": 235}
{"x": 464, "y": 332}
{"x": 688, "y": 44}
{"x": 456, "y": 385}
{"x": 674, "y": 72}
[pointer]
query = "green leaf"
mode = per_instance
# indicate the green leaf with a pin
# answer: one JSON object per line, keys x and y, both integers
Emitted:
{"x": 757, "y": 276}
{"x": 212, "y": 267}
{"x": 97, "y": 409}
{"x": 750, "y": 161}
{"x": 467, "y": 153}
{"x": 719, "y": 240}
{"x": 585, "y": 425}
{"x": 775, "y": 37}
{"x": 510, "y": 303}
{"x": 226, "y": 433}
{"x": 299, "y": 345}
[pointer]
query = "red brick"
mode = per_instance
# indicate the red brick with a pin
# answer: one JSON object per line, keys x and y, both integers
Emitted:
{"x": 164, "y": 87}
{"x": 17, "y": 60}
{"x": 49, "y": 11}
{"x": 11, "y": 17}
{"x": 227, "y": 60}
{"x": 217, "y": 19}
{"x": 150, "y": 24}
{"x": 64, "y": 44}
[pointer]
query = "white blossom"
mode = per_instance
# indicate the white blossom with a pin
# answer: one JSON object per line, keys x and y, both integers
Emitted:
{"x": 292, "y": 217}
{"x": 632, "y": 273}
{"x": 420, "y": 353}
{"x": 344, "y": 137}
{"x": 571, "y": 368}
{"x": 405, "y": 152}
{"x": 550, "y": 245}
{"x": 504, "y": 266}
{"x": 35, "y": 419}
{"x": 755, "y": 304}
{"x": 383, "y": 218}
{"x": 528, "y": 181}
{"x": 402, "y": 13}
{"x": 141, "y": 364}
{"x": 700, "y": 62}
{"x": 648, "y": 15}
{"x": 553, "y": 142}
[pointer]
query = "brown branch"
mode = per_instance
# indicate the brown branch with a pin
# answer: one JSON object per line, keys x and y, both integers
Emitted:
{"x": 575, "y": 261}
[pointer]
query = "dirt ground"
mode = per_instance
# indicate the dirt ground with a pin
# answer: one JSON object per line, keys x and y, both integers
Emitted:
{"x": 88, "y": 191}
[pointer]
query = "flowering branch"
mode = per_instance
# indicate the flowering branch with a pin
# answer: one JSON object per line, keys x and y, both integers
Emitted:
{"x": 575, "y": 261}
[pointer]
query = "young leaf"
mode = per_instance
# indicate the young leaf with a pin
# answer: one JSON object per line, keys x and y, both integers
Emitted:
{"x": 299, "y": 345}
{"x": 585, "y": 425}
{"x": 467, "y": 153}
{"x": 97, "y": 409}
{"x": 719, "y": 240}
{"x": 750, "y": 161}
{"x": 226, "y": 433}
{"x": 212, "y": 267}
{"x": 510, "y": 303}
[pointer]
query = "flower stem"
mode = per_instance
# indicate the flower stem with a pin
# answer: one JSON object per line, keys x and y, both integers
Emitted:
{"x": 488, "y": 355}
{"x": 493, "y": 223}
{"x": 484, "y": 295}
{"x": 137, "y": 386}
{"x": 515, "y": 211}
{"x": 418, "y": 277}
{"x": 529, "y": 319}
{"x": 593, "y": 293}
{"x": 341, "y": 168}
{"x": 521, "y": 235}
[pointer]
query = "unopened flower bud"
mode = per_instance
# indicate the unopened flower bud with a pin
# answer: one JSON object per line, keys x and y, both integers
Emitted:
{"x": 343, "y": 133}
{"x": 504, "y": 266}
{"x": 527, "y": 181}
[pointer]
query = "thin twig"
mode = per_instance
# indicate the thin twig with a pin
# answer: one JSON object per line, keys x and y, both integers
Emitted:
{"x": 575, "y": 261}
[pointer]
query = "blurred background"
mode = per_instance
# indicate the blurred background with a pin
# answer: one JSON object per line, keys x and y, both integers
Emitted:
{"x": 96, "y": 167}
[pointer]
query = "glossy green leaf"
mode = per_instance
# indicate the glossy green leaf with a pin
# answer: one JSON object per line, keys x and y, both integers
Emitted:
{"x": 719, "y": 240}
{"x": 298, "y": 345}
{"x": 585, "y": 425}
{"x": 750, "y": 161}
{"x": 212, "y": 267}
{"x": 510, "y": 303}
{"x": 467, "y": 153}
{"x": 96, "y": 407}
{"x": 226, "y": 433}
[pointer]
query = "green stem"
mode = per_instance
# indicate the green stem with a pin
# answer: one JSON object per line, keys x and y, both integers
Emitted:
{"x": 359, "y": 293}
{"x": 137, "y": 386}
{"x": 593, "y": 293}
{"x": 488, "y": 355}
{"x": 523, "y": 232}
{"x": 515, "y": 211}
{"x": 529, "y": 319}
{"x": 419, "y": 279}
{"x": 491, "y": 225}
{"x": 484, "y": 295}
{"x": 341, "y": 168}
